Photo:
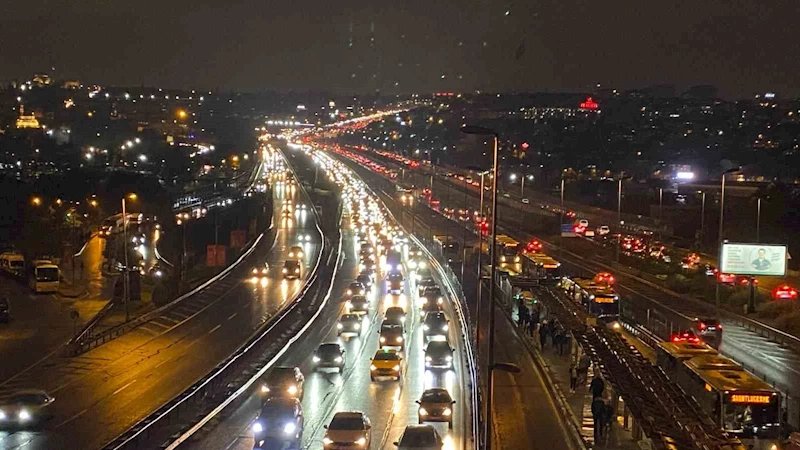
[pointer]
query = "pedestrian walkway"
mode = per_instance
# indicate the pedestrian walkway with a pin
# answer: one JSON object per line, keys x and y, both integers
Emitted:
{"x": 619, "y": 436}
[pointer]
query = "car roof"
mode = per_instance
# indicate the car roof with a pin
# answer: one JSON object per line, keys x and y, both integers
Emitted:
{"x": 349, "y": 316}
{"x": 349, "y": 415}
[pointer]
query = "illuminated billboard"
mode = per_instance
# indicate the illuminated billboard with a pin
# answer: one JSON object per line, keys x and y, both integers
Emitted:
{"x": 753, "y": 259}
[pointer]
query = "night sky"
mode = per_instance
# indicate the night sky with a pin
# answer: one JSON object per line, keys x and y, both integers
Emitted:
{"x": 740, "y": 46}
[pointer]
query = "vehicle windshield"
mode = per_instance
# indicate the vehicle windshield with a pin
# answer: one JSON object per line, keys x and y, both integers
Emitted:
{"x": 29, "y": 399}
{"x": 438, "y": 348}
{"x": 346, "y": 423}
{"x": 328, "y": 350}
{"x": 16, "y": 264}
{"x": 418, "y": 438}
{"x": 741, "y": 416}
{"x": 350, "y": 318}
{"x": 436, "y": 397}
{"x": 282, "y": 376}
{"x": 386, "y": 356}
{"x": 46, "y": 274}
{"x": 276, "y": 412}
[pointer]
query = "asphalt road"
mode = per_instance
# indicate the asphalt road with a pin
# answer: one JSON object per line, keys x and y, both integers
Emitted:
{"x": 389, "y": 404}
{"x": 100, "y": 394}
{"x": 525, "y": 414}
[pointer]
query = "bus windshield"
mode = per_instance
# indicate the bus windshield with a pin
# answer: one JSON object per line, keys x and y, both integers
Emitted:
{"x": 605, "y": 306}
{"x": 46, "y": 274}
{"x": 739, "y": 417}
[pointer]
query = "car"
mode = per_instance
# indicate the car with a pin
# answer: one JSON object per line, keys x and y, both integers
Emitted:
{"x": 386, "y": 363}
{"x": 583, "y": 223}
{"x": 286, "y": 213}
{"x": 349, "y": 325}
{"x": 304, "y": 237}
{"x": 366, "y": 248}
{"x": 357, "y": 304}
{"x": 5, "y": 310}
{"x": 348, "y": 430}
{"x": 429, "y": 307}
{"x": 259, "y": 273}
{"x": 394, "y": 286}
{"x": 526, "y": 201}
{"x": 367, "y": 266}
{"x": 506, "y": 195}
{"x": 296, "y": 252}
{"x": 279, "y": 421}
{"x": 355, "y": 288}
{"x": 424, "y": 284}
{"x": 329, "y": 355}
{"x": 25, "y": 407}
{"x": 436, "y": 405}
{"x": 424, "y": 272}
{"x": 291, "y": 270}
{"x": 438, "y": 355}
{"x": 392, "y": 337}
{"x": 394, "y": 314}
{"x": 782, "y": 292}
{"x": 435, "y": 325}
{"x": 283, "y": 382}
{"x": 365, "y": 280}
{"x": 420, "y": 437}
{"x": 603, "y": 230}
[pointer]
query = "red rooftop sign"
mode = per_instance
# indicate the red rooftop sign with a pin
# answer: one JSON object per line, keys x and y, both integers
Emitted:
{"x": 589, "y": 104}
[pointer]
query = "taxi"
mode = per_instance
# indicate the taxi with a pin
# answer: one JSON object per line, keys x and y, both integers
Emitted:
{"x": 386, "y": 363}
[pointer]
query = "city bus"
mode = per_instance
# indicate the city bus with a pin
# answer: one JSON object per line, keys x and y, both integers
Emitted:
{"x": 736, "y": 400}
{"x": 601, "y": 302}
{"x": 12, "y": 263}
{"x": 508, "y": 253}
{"x": 541, "y": 266}
{"x": 43, "y": 277}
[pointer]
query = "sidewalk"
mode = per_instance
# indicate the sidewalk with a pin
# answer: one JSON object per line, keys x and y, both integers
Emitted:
{"x": 620, "y": 436}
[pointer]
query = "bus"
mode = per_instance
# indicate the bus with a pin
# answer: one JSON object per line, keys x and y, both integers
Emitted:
{"x": 43, "y": 277}
{"x": 508, "y": 253}
{"x": 601, "y": 302}
{"x": 12, "y": 263}
{"x": 736, "y": 400}
{"x": 451, "y": 249}
{"x": 114, "y": 223}
{"x": 541, "y": 266}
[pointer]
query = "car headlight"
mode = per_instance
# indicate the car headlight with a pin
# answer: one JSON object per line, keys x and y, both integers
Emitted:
{"x": 327, "y": 441}
{"x": 339, "y": 326}
{"x": 255, "y": 271}
{"x": 445, "y": 327}
{"x": 422, "y": 265}
{"x": 284, "y": 270}
{"x": 2, "y": 415}
{"x": 362, "y": 441}
{"x": 396, "y": 368}
{"x": 447, "y": 411}
{"x": 428, "y": 358}
{"x": 423, "y": 412}
{"x": 373, "y": 367}
{"x": 289, "y": 428}
{"x": 448, "y": 358}
{"x": 292, "y": 390}
{"x": 315, "y": 359}
{"x": 383, "y": 339}
{"x": 348, "y": 304}
{"x": 264, "y": 388}
{"x": 296, "y": 270}
{"x": 440, "y": 300}
{"x": 299, "y": 254}
{"x": 425, "y": 327}
{"x": 349, "y": 292}
{"x": 254, "y": 280}
{"x": 338, "y": 359}
{"x": 24, "y": 415}
{"x": 502, "y": 259}
{"x": 399, "y": 339}
{"x": 357, "y": 326}
{"x": 257, "y": 427}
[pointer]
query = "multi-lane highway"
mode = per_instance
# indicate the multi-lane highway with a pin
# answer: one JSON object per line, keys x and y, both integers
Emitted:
{"x": 389, "y": 404}
{"x": 103, "y": 392}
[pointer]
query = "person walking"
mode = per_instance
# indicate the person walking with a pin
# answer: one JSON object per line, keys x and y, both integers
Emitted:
{"x": 608, "y": 418}
{"x": 583, "y": 368}
{"x": 597, "y": 386}
{"x": 598, "y": 411}
{"x": 560, "y": 339}
{"x": 543, "y": 334}
{"x": 573, "y": 377}
{"x": 523, "y": 317}
{"x": 533, "y": 321}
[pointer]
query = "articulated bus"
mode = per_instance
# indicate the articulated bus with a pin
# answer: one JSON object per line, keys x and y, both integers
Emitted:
{"x": 541, "y": 266}
{"x": 508, "y": 253}
{"x": 740, "y": 403}
{"x": 602, "y": 302}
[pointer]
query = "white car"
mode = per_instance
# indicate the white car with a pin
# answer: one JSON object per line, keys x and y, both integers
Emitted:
{"x": 25, "y": 407}
{"x": 583, "y": 222}
{"x": 526, "y": 201}
{"x": 603, "y": 230}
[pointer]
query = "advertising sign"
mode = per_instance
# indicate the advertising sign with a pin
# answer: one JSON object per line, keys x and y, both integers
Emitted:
{"x": 238, "y": 238}
{"x": 567, "y": 230}
{"x": 753, "y": 259}
{"x": 215, "y": 255}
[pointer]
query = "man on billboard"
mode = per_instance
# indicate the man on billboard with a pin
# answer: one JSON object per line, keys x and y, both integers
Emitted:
{"x": 761, "y": 263}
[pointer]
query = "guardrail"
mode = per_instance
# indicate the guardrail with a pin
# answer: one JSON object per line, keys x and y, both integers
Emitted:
{"x": 209, "y": 385}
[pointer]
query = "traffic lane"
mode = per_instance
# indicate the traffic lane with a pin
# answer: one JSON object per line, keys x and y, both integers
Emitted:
{"x": 118, "y": 388}
{"x": 234, "y": 432}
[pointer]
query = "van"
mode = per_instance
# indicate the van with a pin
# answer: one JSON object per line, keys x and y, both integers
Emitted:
{"x": 43, "y": 277}
{"x": 13, "y": 263}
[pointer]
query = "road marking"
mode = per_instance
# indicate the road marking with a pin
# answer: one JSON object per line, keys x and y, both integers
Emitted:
{"x": 215, "y": 328}
{"x": 123, "y": 387}
{"x": 72, "y": 418}
{"x": 232, "y": 316}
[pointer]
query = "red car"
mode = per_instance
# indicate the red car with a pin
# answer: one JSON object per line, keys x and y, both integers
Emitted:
{"x": 784, "y": 292}
{"x": 604, "y": 278}
{"x": 533, "y": 246}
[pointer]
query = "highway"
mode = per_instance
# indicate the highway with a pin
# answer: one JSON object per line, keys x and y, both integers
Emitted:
{"x": 769, "y": 360}
{"x": 102, "y": 393}
{"x": 389, "y": 404}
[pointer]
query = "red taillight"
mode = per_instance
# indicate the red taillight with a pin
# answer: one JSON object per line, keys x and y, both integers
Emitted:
{"x": 676, "y": 339}
{"x": 701, "y": 325}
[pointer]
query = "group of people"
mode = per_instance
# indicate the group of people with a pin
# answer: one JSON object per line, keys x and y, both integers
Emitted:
{"x": 602, "y": 411}
{"x": 530, "y": 320}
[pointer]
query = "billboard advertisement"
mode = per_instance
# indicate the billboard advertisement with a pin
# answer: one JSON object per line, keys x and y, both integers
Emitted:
{"x": 753, "y": 259}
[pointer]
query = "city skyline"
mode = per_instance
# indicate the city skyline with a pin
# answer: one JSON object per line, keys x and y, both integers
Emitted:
{"x": 361, "y": 48}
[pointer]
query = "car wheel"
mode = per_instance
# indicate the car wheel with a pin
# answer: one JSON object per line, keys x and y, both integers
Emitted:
{"x": 450, "y": 425}
{"x": 372, "y": 378}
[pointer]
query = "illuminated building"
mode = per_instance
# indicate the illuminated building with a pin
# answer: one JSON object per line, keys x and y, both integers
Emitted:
{"x": 26, "y": 121}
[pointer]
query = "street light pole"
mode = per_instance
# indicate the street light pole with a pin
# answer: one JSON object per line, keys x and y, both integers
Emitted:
{"x": 522, "y": 188}
{"x": 126, "y": 276}
{"x": 719, "y": 236}
{"x": 758, "y": 220}
{"x": 702, "y": 218}
{"x": 660, "y": 203}
{"x": 480, "y": 257}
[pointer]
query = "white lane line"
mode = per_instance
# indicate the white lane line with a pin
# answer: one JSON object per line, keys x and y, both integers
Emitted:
{"x": 123, "y": 387}
{"x": 72, "y": 418}
{"x": 232, "y": 316}
{"x": 215, "y": 328}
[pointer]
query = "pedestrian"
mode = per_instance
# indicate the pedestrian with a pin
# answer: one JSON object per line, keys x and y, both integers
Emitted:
{"x": 573, "y": 377}
{"x": 523, "y": 317}
{"x": 608, "y": 418}
{"x": 597, "y": 386}
{"x": 562, "y": 339}
{"x": 598, "y": 412}
{"x": 583, "y": 368}
{"x": 543, "y": 334}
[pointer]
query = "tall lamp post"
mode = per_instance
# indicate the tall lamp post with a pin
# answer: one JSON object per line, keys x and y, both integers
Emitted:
{"x": 619, "y": 212}
{"x": 480, "y": 257}
{"x": 126, "y": 278}
{"x": 721, "y": 221}
{"x": 702, "y": 216}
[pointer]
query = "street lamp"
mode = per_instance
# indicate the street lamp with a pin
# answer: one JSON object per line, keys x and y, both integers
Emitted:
{"x": 487, "y": 433}
{"x": 126, "y": 278}
{"x": 36, "y": 201}
{"x": 721, "y": 219}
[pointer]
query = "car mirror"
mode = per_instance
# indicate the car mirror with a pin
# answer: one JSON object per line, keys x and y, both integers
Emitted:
{"x": 418, "y": 402}
{"x": 325, "y": 426}
{"x": 368, "y": 426}
{"x": 453, "y": 402}
{"x": 396, "y": 444}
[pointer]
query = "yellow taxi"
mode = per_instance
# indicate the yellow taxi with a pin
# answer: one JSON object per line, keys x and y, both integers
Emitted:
{"x": 386, "y": 363}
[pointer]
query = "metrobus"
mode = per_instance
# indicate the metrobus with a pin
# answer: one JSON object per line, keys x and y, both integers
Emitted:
{"x": 540, "y": 266}
{"x": 43, "y": 277}
{"x": 508, "y": 253}
{"x": 736, "y": 400}
{"x": 601, "y": 302}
